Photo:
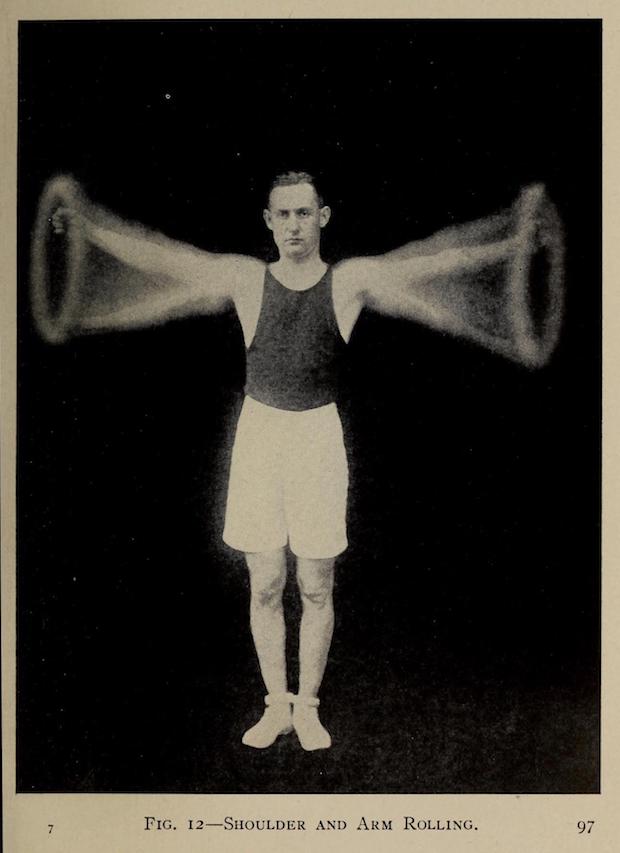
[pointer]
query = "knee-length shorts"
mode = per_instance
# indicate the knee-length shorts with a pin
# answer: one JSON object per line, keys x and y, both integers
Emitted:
{"x": 288, "y": 482}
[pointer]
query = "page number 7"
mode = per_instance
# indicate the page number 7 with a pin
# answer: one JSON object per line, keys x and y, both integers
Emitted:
{"x": 50, "y": 826}
{"x": 585, "y": 826}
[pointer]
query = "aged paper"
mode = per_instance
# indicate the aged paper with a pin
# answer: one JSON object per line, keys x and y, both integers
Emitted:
{"x": 73, "y": 589}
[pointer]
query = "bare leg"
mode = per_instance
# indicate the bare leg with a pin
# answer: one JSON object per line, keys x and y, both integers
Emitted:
{"x": 267, "y": 580}
{"x": 316, "y": 583}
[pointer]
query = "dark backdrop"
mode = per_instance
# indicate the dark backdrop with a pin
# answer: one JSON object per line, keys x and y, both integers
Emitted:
{"x": 466, "y": 652}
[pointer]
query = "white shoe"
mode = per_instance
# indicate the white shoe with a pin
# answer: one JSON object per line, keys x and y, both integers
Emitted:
{"x": 310, "y": 731}
{"x": 276, "y": 720}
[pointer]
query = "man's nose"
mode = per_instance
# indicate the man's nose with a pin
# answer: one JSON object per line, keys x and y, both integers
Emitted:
{"x": 293, "y": 225}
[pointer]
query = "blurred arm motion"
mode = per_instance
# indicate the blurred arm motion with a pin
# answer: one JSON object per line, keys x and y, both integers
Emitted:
{"x": 207, "y": 281}
{"x": 497, "y": 281}
{"x": 98, "y": 272}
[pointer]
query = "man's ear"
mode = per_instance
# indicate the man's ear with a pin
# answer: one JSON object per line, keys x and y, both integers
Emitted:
{"x": 267, "y": 218}
{"x": 324, "y": 216}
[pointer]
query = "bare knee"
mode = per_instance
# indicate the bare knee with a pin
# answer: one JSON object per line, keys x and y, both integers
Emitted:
{"x": 316, "y": 581}
{"x": 267, "y": 592}
{"x": 267, "y": 577}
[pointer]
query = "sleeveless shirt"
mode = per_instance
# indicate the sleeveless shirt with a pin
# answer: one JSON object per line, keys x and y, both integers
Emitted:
{"x": 295, "y": 359}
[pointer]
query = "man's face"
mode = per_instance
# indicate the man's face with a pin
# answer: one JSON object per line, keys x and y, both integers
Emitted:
{"x": 296, "y": 220}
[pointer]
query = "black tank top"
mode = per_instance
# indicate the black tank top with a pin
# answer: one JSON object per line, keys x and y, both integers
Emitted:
{"x": 295, "y": 359}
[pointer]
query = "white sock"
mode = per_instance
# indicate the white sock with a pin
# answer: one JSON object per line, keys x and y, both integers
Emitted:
{"x": 310, "y": 731}
{"x": 276, "y": 721}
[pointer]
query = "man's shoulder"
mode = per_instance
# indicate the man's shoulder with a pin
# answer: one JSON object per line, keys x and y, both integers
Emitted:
{"x": 353, "y": 274}
{"x": 243, "y": 266}
{"x": 243, "y": 272}
{"x": 247, "y": 276}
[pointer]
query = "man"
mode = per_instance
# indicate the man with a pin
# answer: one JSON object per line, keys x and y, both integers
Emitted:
{"x": 288, "y": 481}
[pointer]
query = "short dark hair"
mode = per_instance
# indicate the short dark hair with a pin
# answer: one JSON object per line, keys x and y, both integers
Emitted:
{"x": 290, "y": 179}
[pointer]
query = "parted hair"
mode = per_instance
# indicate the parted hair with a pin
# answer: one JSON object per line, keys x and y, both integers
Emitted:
{"x": 289, "y": 179}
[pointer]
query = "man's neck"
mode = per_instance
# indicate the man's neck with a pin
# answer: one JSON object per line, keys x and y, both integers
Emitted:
{"x": 299, "y": 274}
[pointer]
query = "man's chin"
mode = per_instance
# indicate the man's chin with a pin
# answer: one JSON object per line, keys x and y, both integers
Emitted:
{"x": 294, "y": 250}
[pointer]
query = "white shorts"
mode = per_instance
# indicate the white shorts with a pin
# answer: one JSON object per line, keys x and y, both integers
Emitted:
{"x": 288, "y": 482}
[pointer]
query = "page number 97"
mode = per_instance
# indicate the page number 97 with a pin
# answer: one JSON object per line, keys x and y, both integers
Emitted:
{"x": 584, "y": 826}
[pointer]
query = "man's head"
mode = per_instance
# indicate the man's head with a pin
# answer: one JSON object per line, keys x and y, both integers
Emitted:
{"x": 295, "y": 214}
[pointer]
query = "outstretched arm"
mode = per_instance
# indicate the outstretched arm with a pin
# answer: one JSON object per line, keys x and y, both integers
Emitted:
{"x": 498, "y": 281}
{"x": 148, "y": 278}
{"x": 396, "y": 283}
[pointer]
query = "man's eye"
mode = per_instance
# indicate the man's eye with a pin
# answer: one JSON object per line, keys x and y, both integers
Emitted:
{"x": 304, "y": 213}
{"x": 282, "y": 214}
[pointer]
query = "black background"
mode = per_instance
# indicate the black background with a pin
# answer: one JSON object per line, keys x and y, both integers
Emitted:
{"x": 466, "y": 652}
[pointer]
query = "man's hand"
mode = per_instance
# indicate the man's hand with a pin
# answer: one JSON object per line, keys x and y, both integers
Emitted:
{"x": 64, "y": 218}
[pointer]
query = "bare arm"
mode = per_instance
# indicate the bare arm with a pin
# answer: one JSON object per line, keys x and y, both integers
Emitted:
{"x": 391, "y": 283}
{"x": 161, "y": 278}
{"x": 497, "y": 281}
{"x": 412, "y": 283}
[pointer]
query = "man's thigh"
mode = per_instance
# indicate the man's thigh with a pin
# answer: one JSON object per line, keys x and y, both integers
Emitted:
{"x": 316, "y": 485}
{"x": 255, "y": 519}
